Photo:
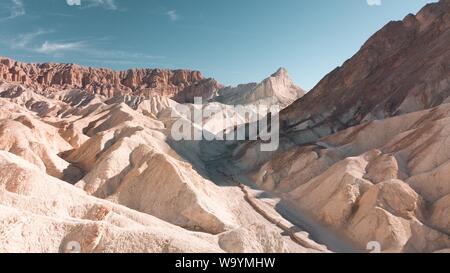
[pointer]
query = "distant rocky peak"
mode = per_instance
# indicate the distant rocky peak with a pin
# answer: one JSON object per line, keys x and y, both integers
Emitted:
{"x": 278, "y": 89}
{"x": 281, "y": 72}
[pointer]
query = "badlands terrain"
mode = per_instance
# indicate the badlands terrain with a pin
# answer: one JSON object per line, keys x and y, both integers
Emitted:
{"x": 87, "y": 156}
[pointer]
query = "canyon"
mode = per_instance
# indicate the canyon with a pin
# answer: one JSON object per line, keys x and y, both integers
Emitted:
{"x": 87, "y": 156}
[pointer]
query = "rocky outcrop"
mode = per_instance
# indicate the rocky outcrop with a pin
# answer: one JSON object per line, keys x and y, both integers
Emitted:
{"x": 182, "y": 85}
{"x": 278, "y": 89}
{"x": 401, "y": 69}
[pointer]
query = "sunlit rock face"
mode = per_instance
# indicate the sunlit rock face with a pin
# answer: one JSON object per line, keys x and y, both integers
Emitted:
{"x": 182, "y": 85}
{"x": 278, "y": 89}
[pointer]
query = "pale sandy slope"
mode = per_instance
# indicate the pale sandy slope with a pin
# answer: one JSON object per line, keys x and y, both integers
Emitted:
{"x": 384, "y": 181}
{"x": 78, "y": 169}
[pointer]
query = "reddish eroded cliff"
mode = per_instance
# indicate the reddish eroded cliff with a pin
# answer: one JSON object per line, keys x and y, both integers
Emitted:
{"x": 182, "y": 85}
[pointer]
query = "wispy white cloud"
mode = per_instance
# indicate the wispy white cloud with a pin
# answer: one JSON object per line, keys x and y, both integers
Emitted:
{"x": 58, "y": 47}
{"x": 107, "y": 4}
{"x": 173, "y": 15}
{"x": 12, "y": 9}
{"x": 23, "y": 41}
{"x": 73, "y": 2}
{"x": 30, "y": 42}
{"x": 374, "y": 2}
{"x": 17, "y": 8}
{"x": 60, "y": 14}
{"x": 38, "y": 42}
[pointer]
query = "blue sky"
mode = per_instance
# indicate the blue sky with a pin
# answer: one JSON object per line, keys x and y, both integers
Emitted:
{"x": 234, "y": 41}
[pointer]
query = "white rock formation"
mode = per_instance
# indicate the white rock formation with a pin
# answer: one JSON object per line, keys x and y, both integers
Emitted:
{"x": 122, "y": 156}
{"x": 278, "y": 89}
